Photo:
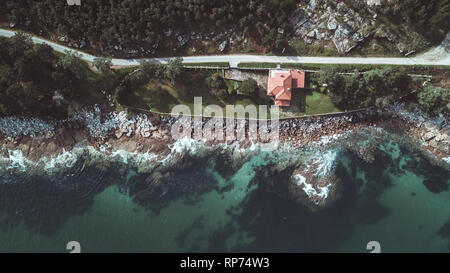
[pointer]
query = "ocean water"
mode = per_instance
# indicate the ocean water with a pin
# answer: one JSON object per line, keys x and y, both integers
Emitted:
{"x": 209, "y": 208}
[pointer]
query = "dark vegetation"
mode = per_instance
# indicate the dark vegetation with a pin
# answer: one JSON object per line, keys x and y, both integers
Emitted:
{"x": 429, "y": 18}
{"x": 29, "y": 76}
{"x": 217, "y": 84}
{"x": 377, "y": 87}
{"x": 249, "y": 87}
{"x": 434, "y": 100}
{"x": 413, "y": 69}
{"x": 103, "y": 64}
{"x": 212, "y": 64}
{"x": 34, "y": 81}
{"x": 146, "y": 72}
{"x": 257, "y": 65}
{"x": 134, "y": 24}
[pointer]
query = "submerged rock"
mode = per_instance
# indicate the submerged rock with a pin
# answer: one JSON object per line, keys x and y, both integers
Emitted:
{"x": 315, "y": 184}
{"x": 436, "y": 186}
{"x": 445, "y": 230}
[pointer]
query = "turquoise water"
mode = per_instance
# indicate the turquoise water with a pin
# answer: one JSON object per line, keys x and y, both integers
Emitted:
{"x": 390, "y": 204}
{"x": 415, "y": 215}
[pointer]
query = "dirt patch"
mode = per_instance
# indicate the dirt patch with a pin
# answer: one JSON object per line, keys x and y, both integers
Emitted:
{"x": 260, "y": 77}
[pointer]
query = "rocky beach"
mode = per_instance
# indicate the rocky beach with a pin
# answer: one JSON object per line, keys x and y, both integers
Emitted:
{"x": 145, "y": 142}
{"x": 101, "y": 166}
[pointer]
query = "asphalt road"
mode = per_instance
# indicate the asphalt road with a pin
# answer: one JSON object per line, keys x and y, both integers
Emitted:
{"x": 437, "y": 56}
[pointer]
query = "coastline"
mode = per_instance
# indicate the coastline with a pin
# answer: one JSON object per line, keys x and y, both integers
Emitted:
{"x": 145, "y": 143}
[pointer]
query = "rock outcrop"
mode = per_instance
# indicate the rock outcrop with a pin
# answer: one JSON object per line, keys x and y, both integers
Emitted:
{"x": 315, "y": 185}
{"x": 342, "y": 25}
{"x": 433, "y": 132}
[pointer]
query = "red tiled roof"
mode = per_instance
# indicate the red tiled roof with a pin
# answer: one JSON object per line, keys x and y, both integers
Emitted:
{"x": 282, "y": 102}
{"x": 281, "y": 84}
{"x": 298, "y": 78}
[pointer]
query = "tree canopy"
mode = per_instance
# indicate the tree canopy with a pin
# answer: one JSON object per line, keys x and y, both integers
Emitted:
{"x": 26, "y": 76}
{"x": 434, "y": 100}
{"x": 154, "y": 24}
{"x": 377, "y": 87}
{"x": 430, "y": 18}
{"x": 103, "y": 64}
{"x": 249, "y": 87}
{"x": 32, "y": 74}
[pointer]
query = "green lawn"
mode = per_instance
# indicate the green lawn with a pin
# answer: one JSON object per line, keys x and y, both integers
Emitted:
{"x": 161, "y": 96}
{"x": 257, "y": 65}
{"x": 308, "y": 102}
{"x": 417, "y": 69}
{"x": 213, "y": 64}
{"x": 318, "y": 103}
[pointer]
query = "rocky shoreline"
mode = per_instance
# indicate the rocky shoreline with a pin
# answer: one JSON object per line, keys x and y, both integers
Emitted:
{"x": 151, "y": 134}
{"x": 155, "y": 154}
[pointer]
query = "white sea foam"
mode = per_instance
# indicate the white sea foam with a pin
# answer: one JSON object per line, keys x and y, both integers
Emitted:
{"x": 310, "y": 191}
{"x": 326, "y": 163}
{"x": 300, "y": 179}
{"x": 187, "y": 144}
{"x": 324, "y": 140}
{"x": 17, "y": 160}
{"x": 66, "y": 159}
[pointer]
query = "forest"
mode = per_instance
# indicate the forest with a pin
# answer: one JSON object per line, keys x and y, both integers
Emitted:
{"x": 35, "y": 81}
{"x": 152, "y": 27}
{"x": 131, "y": 24}
{"x": 430, "y": 18}
{"x": 381, "y": 86}
{"x": 29, "y": 76}
{"x": 377, "y": 87}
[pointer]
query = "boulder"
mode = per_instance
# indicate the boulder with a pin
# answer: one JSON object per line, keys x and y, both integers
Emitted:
{"x": 344, "y": 45}
{"x": 118, "y": 133}
{"x": 312, "y": 33}
{"x": 357, "y": 37}
{"x": 428, "y": 136}
{"x": 342, "y": 32}
{"x": 223, "y": 45}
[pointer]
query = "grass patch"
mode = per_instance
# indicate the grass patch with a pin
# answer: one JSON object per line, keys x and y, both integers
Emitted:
{"x": 161, "y": 96}
{"x": 347, "y": 67}
{"x": 318, "y": 103}
{"x": 257, "y": 65}
{"x": 216, "y": 64}
{"x": 309, "y": 102}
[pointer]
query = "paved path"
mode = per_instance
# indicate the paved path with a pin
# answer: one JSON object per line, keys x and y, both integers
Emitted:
{"x": 438, "y": 56}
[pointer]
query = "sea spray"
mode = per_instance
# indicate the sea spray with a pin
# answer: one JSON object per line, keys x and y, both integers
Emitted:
{"x": 326, "y": 162}
{"x": 17, "y": 160}
{"x": 321, "y": 192}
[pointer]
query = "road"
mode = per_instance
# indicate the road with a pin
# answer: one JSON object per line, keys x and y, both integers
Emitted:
{"x": 438, "y": 56}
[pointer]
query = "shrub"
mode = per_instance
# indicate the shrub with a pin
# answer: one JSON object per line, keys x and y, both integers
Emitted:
{"x": 249, "y": 87}
{"x": 433, "y": 100}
